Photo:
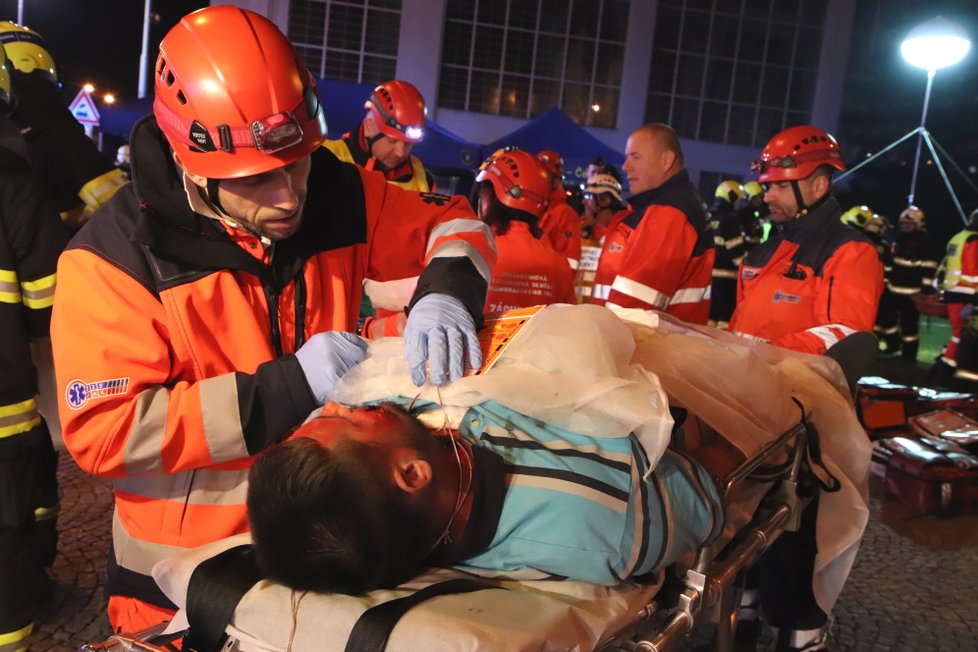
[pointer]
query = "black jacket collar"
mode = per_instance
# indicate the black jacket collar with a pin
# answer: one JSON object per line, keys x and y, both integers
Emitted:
{"x": 646, "y": 198}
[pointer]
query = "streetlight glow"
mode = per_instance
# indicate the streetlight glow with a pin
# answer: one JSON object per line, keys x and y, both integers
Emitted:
{"x": 936, "y": 44}
{"x": 109, "y": 98}
{"x": 89, "y": 88}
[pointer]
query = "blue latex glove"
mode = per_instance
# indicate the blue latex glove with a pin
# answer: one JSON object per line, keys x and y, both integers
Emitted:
{"x": 441, "y": 332}
{"x": 326, "y": 357}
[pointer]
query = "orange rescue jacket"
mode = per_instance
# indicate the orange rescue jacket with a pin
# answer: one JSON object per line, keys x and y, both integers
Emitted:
{"x": 528, "y": 272}
{"x": 561, "y": 227}
{"x": 174, "y": 341}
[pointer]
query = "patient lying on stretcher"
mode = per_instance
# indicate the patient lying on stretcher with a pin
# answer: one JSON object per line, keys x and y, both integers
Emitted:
{"x": 548, "y": 473}
{"x": 365, "y": 498}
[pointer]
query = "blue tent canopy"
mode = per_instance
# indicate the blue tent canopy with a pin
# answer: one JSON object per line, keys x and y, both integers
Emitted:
{"x": 343, "y": 105}
{"x": 555, "y": 130}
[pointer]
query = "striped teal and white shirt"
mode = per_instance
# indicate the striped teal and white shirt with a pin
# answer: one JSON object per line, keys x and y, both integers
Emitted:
{"x": 578, "y": 507}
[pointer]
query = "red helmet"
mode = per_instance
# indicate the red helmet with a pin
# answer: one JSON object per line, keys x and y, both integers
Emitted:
{"x": 519, "y": 179}
{"x": 231, "y": 96}
{"x": 399, "y": 111}
{"x": 553, "y": 162}
{"x": 795, "y": 153}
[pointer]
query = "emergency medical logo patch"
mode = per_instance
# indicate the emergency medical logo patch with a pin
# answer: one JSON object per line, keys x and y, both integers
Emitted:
{"x": 784, "y": 297}
{"x": 78, "y": 392}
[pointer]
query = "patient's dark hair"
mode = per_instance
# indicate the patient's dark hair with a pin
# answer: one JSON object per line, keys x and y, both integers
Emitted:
{"x": 333, "y": 520}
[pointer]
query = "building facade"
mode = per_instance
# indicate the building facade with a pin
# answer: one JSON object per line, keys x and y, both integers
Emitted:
{"x": 726, "y": 74}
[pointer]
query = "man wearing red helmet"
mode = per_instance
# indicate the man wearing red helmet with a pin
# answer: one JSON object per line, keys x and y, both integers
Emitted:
{"x": 810, "y": 285}
{"x": 511, "y": 194}
{"x": 202, "y": 316}
{"x": 660, "y": 257}
{"x": 561, "y": 224}
{"x": 816, "y": 281}
{"x": 394, "y": 122}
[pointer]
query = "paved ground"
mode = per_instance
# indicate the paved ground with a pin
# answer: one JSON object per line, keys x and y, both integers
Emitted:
{"x": 912, "y": 587}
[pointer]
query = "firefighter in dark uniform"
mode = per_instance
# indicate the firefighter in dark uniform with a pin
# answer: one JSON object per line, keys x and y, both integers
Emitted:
{"x": 728, "y": 242}
{"x": 911, "y": 264}
{"x": 31, "y": 237}
{"x": 74, "y": 172}
{"x": 753, "y": 214}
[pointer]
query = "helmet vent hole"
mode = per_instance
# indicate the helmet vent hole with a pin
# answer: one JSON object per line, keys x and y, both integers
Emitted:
{"x": 170, "y": 78}
{"x": 181, "y": 97}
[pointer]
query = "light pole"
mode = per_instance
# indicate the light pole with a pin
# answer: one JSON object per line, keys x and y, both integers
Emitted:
{"x": 935, "y": 44}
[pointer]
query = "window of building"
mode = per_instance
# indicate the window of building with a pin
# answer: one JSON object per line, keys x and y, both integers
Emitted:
{"x": 734, "y": 71}
{"x": 521, "y": 58}
{"x": 348, "y": 40}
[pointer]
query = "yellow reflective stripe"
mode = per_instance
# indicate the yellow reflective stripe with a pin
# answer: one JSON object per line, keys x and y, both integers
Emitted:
{"x": 39, "y": 294}
{"x": 14, "y": 637}
{"x": 18, "y": 417}
{"x": 9, "y": 289}
{"x": 100, "y": 189}
{"x": 47, "y": 513}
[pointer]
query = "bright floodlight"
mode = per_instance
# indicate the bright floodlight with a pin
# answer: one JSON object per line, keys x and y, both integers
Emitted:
{"x": 938, "y": 43}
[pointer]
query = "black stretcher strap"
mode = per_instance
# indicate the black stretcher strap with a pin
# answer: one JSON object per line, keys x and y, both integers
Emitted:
{"x": 213, "y": 593}
{"x": 374, "y": 627}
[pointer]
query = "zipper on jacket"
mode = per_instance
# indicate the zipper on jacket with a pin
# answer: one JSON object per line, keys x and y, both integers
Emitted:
{"x": 271, "y": 295}
{"x": 828, "y": 308}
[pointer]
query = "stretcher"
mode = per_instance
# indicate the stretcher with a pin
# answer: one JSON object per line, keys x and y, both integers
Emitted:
{"x": 761, "y": 500}
{"x": 762, "y": 464}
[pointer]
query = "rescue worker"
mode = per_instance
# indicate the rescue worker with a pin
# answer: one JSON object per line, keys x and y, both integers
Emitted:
{"x": 911, "y": 264}
{"x": 76, "y": 174}
{"x": 863, "y": 219}
{"x": 814, "y": 282}
{"x": 393, "y": 124}
{"x": 753, "y": 215}
{"x": 31, "y": 238}
{"x": 603, "y": 204}
{"x": 728, "y": 241}
{"x": 217, "y": 291}
{"x": 660, "y": 256}
{"x": 511, "y": 194}
{"x": 561, "y": 224}
{"x": 958, "y": 291}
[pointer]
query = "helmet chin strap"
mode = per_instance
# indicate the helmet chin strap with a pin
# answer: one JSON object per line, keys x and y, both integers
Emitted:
{"x": 214, "y": 199}
{"x": 802, "y": 207}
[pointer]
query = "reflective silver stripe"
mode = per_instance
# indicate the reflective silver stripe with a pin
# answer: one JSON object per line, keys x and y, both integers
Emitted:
{"x": 907, "y": 262}
{"x": 195, "y": 487}
{"x": 459, "y": 248}
{"x": 802, "y": 638}
{"x": 456, "y": 226}
{"x": 734, "y": 242}
{"x": 949, "y": 362}
{"x": 930, "y": 264}
{"x": 831, "y": 333}
{"x": 39, "y": 294}
{"x": 910, "y": 338}
{"x": 390, "y": 295}
{"x": 144, "y": 445}
{"x": 690, "y": 295}
{"x": 221, "y": 418}
{"x": 601, "y": 291}
{"x": 136, "y": 555}
{"x": 897, "y": 289}
{"x": 641, "y": 292}
{"x": 573, "y": 262}
{"x": 724, "y": 273}
{"x": 967, "y": 375}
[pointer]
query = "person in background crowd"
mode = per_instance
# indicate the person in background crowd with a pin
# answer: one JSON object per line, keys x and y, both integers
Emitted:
{"x": 603, "y": 203}
{"x": 754, "y": 214}
{"x": 911, "y": 264}
{"x": 810, "y": 285}
{"x": 78, "y": 177}
{"x": 393, "y": 124}
{"x": 863, "y": 219}
{"x": 510, "y": 195}
{"x": 122, "y": 160}
{"x": 660, "y": 256}
{"x": 561, "y": 224}
{"x": 31, "y": 238}
{"x": 959, "y": 290}
{"x": 217, "y": 292}
{"x": 728, "y": 241}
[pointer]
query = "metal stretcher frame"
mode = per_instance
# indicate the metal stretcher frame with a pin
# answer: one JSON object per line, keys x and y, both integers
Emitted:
{"x": 710, "y": 589}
